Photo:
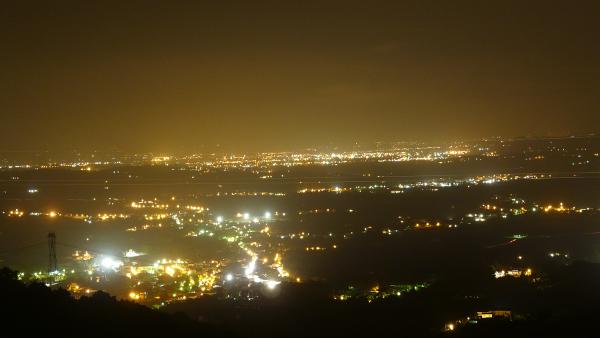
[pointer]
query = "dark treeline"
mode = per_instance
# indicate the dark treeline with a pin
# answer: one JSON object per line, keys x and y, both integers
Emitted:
{"x": 36, "y": 310}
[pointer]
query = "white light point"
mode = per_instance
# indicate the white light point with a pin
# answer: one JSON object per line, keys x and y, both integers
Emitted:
{"x": 272, "y": 284}
{"x": 250, "y": 268}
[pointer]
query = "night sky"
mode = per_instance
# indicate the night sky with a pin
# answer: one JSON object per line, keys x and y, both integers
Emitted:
{"x": 284, "y": 75}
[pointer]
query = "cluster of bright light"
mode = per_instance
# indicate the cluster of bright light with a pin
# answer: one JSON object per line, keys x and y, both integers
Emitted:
{"x": 278, "y": 265}
{"x": 105, "y": 216}
{"x": 135, "y": 295}
{"x": 155, "y": 217}
{"x": 513, "y": 273}
{"x": 428, "y": 224}
{"x": 196, "y": 208}
{"x": 85, "y": 256}
{"x": 286, "y": 159}
{"x": 109, "y": 263}
{"x": 272, "y": 284}
{"x": 132, "y": 253}
{"x": 558, "y": 254}
{"x": 246, "y": 216}
{"x": 158, "y": 159}
{"x": 560, "y": 208}
{"x": 15, "y": 213}
{"x": 148, "y": 204}
{"x": 433, "y": 184}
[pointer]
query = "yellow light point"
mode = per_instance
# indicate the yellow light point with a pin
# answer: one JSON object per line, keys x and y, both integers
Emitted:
{"x": 52, "y": 214}
{"x": 298, "y": 280}
{"x": 73, "y": 287}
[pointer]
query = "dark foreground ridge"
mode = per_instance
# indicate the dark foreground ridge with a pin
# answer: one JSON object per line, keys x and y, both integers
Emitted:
{"x": 36, "y": 310}
{"x": 565, "y": 303}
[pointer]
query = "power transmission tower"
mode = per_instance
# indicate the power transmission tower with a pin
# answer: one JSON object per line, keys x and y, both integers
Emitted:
{"x": 52, "y": 265}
